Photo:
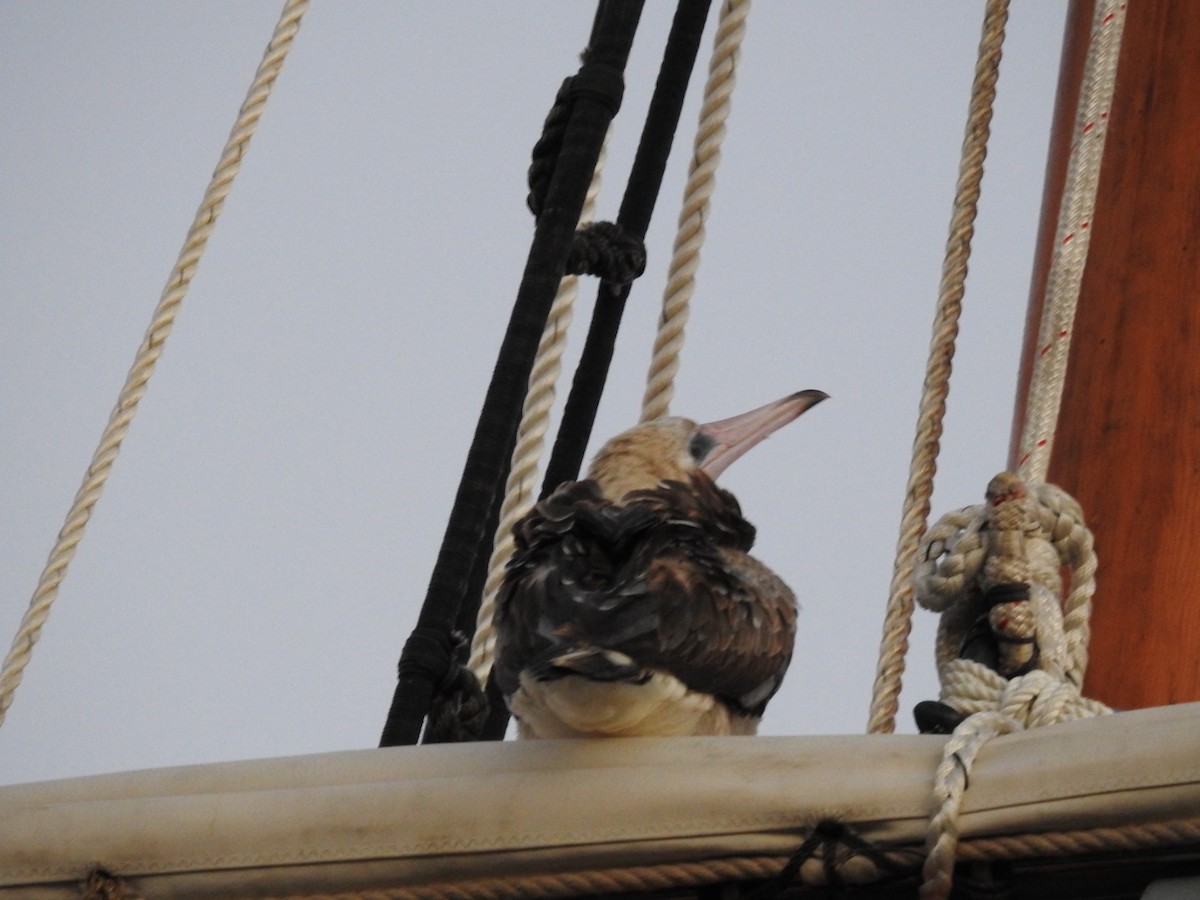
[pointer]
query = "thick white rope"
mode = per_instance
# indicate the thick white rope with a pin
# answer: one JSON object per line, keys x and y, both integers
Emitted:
{"x": 914, "y": 515}
{"x": 148, "y": 353}
{"x": 1022, "y": 537}
{"x": 520, "y": 490}
{"x": 1071, "y": 240}
{"x": 697, "y": 196}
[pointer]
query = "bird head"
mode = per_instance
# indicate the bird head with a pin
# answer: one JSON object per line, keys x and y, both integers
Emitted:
{"x": 672, "y": 448}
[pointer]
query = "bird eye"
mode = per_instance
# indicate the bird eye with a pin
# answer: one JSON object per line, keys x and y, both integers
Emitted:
{"x": 700, "y": 446}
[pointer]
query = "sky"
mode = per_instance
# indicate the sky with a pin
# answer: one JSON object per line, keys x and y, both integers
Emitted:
{"x": 261, "y": 550}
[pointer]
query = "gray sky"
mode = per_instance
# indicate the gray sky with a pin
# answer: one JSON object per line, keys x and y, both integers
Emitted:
{"x": 262, "y": 548}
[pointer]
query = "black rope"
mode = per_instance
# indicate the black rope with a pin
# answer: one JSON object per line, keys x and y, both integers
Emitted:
{"x": 607, "y": 251}
{"x": 460, "y": 708}
{"x": 545, "y": 151}
{"x": 637, "y": 207}
{"x": 633, "y": 218}
{"x": 597, "y": 95}
{"x": 460, "y": 692}
{"x": 831, "y": 842}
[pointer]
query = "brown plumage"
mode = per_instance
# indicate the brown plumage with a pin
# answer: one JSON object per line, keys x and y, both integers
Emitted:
{"x": 632, "y": 606}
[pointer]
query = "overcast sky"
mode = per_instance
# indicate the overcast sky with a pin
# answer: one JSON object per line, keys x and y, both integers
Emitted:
{"x": 262, "y": 548}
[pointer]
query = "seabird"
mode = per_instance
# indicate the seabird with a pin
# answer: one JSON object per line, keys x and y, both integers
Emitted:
{"x": 632, "y": 606}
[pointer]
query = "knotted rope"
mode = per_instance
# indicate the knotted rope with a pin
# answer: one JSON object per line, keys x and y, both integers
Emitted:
{"x": 697, "y": 196}
{"x": 161, "y": 322}
{"x": 1010, "y": 653}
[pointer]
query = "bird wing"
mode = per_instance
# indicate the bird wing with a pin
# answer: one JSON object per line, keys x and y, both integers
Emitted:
{"x": 657, "y": 578}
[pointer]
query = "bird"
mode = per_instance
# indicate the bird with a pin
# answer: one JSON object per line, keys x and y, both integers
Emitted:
{"x": 631, "y": 605}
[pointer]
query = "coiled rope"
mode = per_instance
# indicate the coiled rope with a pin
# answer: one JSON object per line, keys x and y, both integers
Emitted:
{"x": 697, "y": 196}
{"x": 161, "y": 322}
{"x": 999, "y": 592}
{"x": 1011, "y": 654}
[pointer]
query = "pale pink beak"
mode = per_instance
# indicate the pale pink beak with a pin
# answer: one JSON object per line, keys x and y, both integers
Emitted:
{"x": 736, "y": 435}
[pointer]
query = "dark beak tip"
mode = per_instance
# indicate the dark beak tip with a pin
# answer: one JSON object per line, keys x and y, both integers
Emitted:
{"x": 813, "y": 396}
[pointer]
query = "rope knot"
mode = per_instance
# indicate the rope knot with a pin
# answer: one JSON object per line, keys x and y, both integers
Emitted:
{"x": 426, "y": 654}
{"x": 459, "y": 708}
{"x": 1011, "y": 648}
{"x": 594, "y": 82}
{"x": 597, "y": 83}
{"x": 995, "y": 573}
{"x": 608, "y": 251}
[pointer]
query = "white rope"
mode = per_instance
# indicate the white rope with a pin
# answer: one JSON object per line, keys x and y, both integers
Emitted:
{"x": 1071, "y": 241}
{"x": 1022, "y": 537}
{"x": 520, "y": 490}
{"x": 148, "y": 353}
{"x": 697, "y": 196}
{"x": 959, "y": 559}
{"x": 915, "y": 512}
{"x": 1012, "y": 543}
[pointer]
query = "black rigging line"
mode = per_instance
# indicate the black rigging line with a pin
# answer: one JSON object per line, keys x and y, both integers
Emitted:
{"x": 597, "y": 90}
{"x": 637, "y": 207}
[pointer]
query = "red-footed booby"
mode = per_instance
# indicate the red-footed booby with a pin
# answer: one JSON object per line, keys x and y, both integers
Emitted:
{"x": 632, "y": 606}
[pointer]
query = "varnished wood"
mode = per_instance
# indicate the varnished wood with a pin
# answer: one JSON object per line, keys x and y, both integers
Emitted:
{"x": 1128, "y": 439}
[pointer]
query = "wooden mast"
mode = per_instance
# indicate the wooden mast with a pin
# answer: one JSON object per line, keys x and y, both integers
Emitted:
{"x": 1128, "y": 438}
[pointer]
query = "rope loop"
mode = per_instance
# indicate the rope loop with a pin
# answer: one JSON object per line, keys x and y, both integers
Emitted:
{"x": 459, "y": 707}
{"x": 1022, "y": 535}
{"x": 598, "y": 83}
{"x": 427, "y": 654}
{"x": 835, "y": 855}
{"x": 608, "y": 251}
{"x": 594, "y": 82}
{"x": 1011, "y": 648}
{"x": 547, "y": 147}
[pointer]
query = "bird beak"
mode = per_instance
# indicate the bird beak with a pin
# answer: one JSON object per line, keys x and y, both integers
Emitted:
{"x": 736, "y": 435}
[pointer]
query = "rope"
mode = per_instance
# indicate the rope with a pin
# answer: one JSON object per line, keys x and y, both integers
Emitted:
{"x": 161, "y": 323}
{"x": 633, "y": 218}
{"x": 697, "y": 195}
{"x": 1047, "y": 845}
{"x": 573, "y": 884}
{"x": 950, "y": 784}
{"x": 520, "y": 488}
{"x": 595, "y": 91}
{"x": 1071, "y": 245}
{"x": 637, "y": 208}
{"x": 1035, "y": 662}
{"x": 1010, "y": 654}
{"x": 1144, "y": 836}
{"x": 915, "y": 513}
{"x": 960, "y": 563}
